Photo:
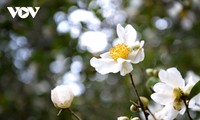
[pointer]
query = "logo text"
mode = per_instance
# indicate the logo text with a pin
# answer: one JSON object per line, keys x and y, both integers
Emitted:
{"x": 23, "y": 12}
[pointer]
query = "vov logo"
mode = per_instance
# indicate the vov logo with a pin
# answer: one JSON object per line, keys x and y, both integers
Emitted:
{"x": 23, "y": 12}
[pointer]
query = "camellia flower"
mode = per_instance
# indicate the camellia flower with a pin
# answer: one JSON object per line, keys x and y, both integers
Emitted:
{"x": 121, "y": 55}
{"x": 170, "y": 93}
{"x": 62, "y": 96}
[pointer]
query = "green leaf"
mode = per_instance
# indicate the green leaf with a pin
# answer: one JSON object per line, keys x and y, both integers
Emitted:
{"x": 151, "y": 81}
{"x": 195, "y": 90}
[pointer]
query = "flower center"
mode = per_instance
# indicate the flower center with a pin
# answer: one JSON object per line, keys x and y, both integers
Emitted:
{"x": 119, "y": 51}
{"x": 178, "y": 101}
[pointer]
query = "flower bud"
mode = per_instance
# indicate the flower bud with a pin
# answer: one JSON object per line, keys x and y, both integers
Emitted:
{"x": 133, "y": 108}
{"x": 122, "y": 118}
{"x": 155, "y": 72}
{"x": 152, "y": 72}
{"x": 62, "y": 96}
{"x": 145, "y": 101}
{"x": 135, "y": 118}
{"x": 149, "y": 72}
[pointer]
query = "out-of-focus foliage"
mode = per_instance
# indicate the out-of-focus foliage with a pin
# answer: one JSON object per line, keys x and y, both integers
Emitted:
{"x": 55, "y": 48}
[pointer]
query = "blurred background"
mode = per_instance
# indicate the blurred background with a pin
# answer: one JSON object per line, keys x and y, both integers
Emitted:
{"x": 55, "y": 47}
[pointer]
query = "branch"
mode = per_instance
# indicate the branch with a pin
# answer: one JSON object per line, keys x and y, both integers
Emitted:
{"x": 136, "y": 93}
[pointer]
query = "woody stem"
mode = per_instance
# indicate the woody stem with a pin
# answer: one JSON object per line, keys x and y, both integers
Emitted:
{"x": 187, "y": 109}
{"x": 136, "y": 93}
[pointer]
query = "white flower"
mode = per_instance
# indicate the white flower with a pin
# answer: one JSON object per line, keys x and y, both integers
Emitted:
{"x": 120, "y": 57}
{"x": 169, "y": 92}
{"x": 122, "y": 118}
{"x": 62, "y": 96}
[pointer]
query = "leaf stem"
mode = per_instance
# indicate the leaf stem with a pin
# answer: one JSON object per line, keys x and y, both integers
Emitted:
{"x": 136, "y": 93}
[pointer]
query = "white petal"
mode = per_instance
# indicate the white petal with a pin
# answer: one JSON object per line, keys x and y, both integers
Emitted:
{"x": 130, "y": 35}
{"x": 121, "y": 33}
{"x": 194, "y": 103}
{"x": 105, "y": 55}
{"x": 190, "y": 74}
{"x": 172, "y": 77}
{"x": 54, "y": 97}
{"x": 141, "y": 43}
{"x": 116, "y": 42}
{"x": 162, "y": 99}
{"x": 189, "y": 85}
{"x": 183, "y": 109}
{"x": 126, "y": 66}
{"x": 163, "y": 88}
{"x": 137, "y": 44}
{"x": 137, "y": 56}
{"x": 64, "y": 93}
{"x": 105, "y": 66}
{"x": 167, "y": 113}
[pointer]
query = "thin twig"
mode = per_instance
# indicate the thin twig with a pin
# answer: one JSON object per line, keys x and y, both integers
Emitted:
{"x": 74, "y": 114}
{"x": 151, "y": 114}
{"x": 187, "y": 109}
{"x": 136, "y": 93}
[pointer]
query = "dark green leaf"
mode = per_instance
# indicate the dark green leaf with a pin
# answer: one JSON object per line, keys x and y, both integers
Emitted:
{"x": 195, "y": 90}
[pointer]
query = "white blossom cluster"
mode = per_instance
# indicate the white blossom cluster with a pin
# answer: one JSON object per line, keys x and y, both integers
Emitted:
{"x": 171, "y": 91}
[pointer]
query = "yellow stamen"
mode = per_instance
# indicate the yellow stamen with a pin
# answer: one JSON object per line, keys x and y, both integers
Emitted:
{"x": 119, "y": 51}
{"x": 178, "y": 94}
